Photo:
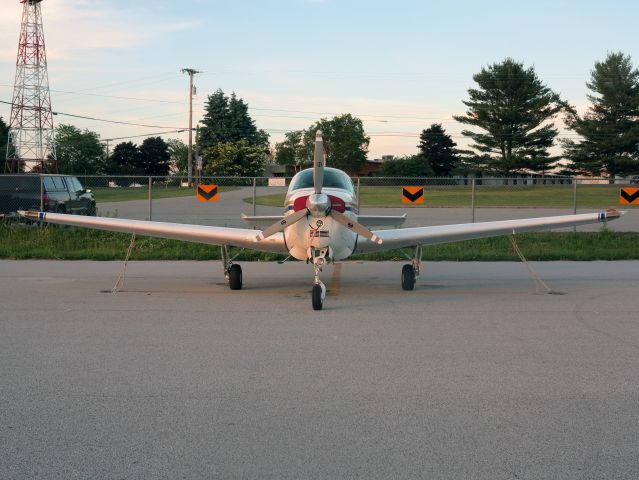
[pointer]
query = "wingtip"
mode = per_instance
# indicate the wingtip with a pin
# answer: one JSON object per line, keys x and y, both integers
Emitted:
{"x": 613, "y": 213}
{"x": 31, "y": 215}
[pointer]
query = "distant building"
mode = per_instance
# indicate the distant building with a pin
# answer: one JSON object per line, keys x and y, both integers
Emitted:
{"x": 373, "y": 166}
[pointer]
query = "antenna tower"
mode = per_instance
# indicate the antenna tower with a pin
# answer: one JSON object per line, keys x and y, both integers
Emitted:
{"x": 31, "y": 144}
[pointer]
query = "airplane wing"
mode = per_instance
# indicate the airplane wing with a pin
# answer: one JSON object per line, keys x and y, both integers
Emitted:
{"x": 237, "y": 237}
{"x": 410, "y": 237}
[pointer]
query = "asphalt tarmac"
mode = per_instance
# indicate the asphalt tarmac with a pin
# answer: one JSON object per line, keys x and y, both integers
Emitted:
{"x": 469, "y": 376}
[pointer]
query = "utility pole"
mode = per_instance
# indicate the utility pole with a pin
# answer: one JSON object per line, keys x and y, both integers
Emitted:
{"x": 190, "y": 72}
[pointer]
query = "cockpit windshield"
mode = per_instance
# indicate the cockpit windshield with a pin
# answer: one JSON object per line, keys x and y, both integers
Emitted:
{"x": 333, "y": 178}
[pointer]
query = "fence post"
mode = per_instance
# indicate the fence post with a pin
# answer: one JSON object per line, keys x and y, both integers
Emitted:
{"x": 150, "y": 199}
{"x": 574, "y": 201}
{"x": 358, "y": 200}
{"x": 472, "y": 197}
{"x": 41, "y": 193}
{"x": 254, "y": 194}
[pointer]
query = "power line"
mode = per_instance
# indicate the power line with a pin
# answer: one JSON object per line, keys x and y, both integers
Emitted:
{"x": 105, "y": 120}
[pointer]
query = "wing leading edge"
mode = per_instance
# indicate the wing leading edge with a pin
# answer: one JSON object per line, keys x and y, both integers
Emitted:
{"x": 410, "y": 237}
{"x": 238, "y": 237}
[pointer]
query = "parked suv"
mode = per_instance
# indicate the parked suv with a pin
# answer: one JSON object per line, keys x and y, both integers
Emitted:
{"x": 60, "y": 193}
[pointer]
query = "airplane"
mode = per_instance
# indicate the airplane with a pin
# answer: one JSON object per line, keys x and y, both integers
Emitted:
{"x": 321, "y": 224}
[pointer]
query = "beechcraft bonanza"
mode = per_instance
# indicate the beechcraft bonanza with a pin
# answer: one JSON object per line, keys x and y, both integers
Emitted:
{"x": 321, "y": 224}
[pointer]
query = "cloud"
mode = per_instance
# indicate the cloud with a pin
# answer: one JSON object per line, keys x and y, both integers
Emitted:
{"x": 74, "y": 25}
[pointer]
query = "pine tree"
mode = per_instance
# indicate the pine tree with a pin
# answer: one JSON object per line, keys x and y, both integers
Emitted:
{"x": 216, "y": 120}
{"x": 514, "y": 109}
{"x": 227, "y": 120}
{"x": 610, "y": 128}
{"x": 438, "y": 150}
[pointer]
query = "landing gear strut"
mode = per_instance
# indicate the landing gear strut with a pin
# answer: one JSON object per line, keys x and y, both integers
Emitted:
{"x": 411, "y": 270}
{"x": 232, "y": 271}
{"x": 318, "y": 292}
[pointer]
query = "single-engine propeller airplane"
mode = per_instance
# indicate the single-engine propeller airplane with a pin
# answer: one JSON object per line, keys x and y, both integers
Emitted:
{"x": 321, "y": 224}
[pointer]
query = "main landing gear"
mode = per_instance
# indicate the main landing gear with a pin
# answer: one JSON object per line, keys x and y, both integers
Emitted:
{"x": 411, "y": 270}
{"x": 232, "y": 271}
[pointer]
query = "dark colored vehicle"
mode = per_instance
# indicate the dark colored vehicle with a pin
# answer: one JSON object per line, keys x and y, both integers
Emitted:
{"x": 60, "y": 193}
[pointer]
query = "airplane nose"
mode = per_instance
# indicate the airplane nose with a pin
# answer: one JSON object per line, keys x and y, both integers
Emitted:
{"x": 318, "y": 204}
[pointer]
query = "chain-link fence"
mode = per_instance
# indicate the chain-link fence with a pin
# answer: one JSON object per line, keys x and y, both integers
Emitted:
{"x": 443, "y": 201}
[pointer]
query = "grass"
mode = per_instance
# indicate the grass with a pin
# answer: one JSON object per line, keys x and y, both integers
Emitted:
{"x": 597, "y": 196}
{"x": 122, "y": 194}
{"x": 27, "y": 241}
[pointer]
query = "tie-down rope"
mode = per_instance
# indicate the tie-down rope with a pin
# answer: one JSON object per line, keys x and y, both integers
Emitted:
{"x": 126, "y": 261}
{"x": 539, "y": 283}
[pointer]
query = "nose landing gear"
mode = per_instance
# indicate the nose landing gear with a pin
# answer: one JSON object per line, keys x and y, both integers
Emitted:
{"x": 318, "y": 292}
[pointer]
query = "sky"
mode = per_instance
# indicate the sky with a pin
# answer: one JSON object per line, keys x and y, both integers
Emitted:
{"x": 398, "y": 65}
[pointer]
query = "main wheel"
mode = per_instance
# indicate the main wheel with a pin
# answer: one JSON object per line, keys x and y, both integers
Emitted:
{"x": 317, "y": 297}
{"x": 408, "y": 277}
{"x": 235, "y": 277}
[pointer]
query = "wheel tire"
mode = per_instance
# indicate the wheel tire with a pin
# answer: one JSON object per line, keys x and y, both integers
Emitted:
{"x": 91, "y": 210}
{"x": 408, "y": 277}
{"x": 316, "y": 295}
{"x": 235, "y": 277}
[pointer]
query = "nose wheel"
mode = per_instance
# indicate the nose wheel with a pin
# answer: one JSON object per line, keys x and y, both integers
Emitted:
{"x": 317, "y": 296}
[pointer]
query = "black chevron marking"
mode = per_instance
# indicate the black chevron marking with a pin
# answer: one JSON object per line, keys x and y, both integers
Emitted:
{"x": 630, "y": 198}
{"x": 413, "y": 196}
{"x": 206, "y": 195}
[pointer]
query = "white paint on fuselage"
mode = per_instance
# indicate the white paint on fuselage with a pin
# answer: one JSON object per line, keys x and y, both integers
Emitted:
{"x": 306, "y": 233}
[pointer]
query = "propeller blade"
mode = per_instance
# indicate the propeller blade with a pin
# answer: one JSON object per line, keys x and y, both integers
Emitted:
{"x": 358, "y": 228}
{"x": 287, "y": 221}
{"x": 318, "y": 163}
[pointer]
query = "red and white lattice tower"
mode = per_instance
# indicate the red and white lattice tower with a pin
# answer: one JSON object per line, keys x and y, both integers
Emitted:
{"x": 31, "y": 132}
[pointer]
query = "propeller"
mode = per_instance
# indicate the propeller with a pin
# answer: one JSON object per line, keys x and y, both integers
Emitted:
{"x": 318, "y": 204}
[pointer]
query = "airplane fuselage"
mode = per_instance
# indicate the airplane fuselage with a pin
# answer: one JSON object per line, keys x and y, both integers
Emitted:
{"x": 317, "y": 231}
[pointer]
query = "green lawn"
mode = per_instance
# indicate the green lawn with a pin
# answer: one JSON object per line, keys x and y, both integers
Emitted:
{"x": 121, "y": 194}
{"x": 21, "y": 241}
{"x": 597, "y": 196}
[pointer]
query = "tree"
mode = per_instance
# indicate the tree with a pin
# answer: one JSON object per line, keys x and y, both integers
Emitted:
{"x": 610, "y": 128}
{"x": 407, "y": 166}
{"x": 514, "y": 108}
{"x": 345, "y": 142}
{"x": 78, "y": 151}
{"x": 233, "y": 159}
{"x": 438, "y": 149}
{"x": 215, "y": 121}
{"x": 290, "y": 152}
{"x": 154, "y": 156}
{"x": 228, "y": 120}
{"x": 4, "y": 138}
{"x": 125, "y": 160}
{"x": 178, "y": 152}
